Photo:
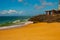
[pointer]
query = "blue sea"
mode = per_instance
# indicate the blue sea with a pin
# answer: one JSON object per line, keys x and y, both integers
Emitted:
{"x": 8, "y": 20}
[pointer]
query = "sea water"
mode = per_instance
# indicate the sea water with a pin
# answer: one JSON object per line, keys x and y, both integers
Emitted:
{"x": 12, "y": 20}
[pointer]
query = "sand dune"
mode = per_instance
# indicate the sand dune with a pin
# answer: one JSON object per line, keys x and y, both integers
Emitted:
{"x": 38, "y": 31}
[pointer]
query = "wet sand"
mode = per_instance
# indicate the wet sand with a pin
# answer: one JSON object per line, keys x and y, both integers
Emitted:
{"x": 38, "y": 31}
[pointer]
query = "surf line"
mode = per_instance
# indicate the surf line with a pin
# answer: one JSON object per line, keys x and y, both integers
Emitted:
{"x": 15, "y": 26}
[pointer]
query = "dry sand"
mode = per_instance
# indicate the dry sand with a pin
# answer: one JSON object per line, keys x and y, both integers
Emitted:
{"x": 38, "y": 31}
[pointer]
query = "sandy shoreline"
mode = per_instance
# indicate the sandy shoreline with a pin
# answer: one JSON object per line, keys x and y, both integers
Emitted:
{"x": 37, "y": 31}
{"x": 15, "y": 26}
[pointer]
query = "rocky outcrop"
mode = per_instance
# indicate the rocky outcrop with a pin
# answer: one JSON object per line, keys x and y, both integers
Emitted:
{"x": 45, "y": 18}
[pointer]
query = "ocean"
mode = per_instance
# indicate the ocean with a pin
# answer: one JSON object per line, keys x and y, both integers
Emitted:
{"x": 12, "y": 20}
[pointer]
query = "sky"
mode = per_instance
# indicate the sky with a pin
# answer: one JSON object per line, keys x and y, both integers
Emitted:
{"x": 26, "y": 7}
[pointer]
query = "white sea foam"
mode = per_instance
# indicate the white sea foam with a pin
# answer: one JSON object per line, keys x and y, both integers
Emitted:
{"x": 14, "y": 26}
{"x": 17, "y": 21}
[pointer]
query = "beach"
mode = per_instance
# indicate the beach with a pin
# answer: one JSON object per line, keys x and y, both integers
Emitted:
{"x": 37, "y": 31}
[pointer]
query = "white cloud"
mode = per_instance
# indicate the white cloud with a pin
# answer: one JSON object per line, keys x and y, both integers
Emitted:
{"x": 11, "y": 12}
{"x": 8, "y": 11}
{"x": 47, "y": 3}
{"x": 4, "y": 12}
{"x": 20, "y": 12}
{"x": 43, "y": 4}
{"x": 20, "y": 0}
{"x": 38, "y": 6}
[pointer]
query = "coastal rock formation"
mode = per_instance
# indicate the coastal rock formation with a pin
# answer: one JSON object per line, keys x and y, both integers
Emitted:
{"x": 45, "y": 18}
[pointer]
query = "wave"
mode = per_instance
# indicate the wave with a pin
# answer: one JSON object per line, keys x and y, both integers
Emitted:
{"x": 15, "y": 22}
{"x": 15, "y": 26}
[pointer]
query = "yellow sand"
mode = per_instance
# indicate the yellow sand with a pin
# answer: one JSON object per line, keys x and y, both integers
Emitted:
{"x": 38, "y": 31}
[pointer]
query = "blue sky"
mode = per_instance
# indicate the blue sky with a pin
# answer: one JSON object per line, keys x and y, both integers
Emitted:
{"x": 26, "y": 7}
